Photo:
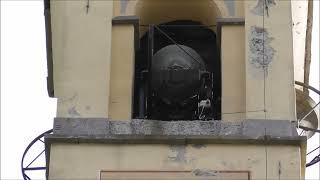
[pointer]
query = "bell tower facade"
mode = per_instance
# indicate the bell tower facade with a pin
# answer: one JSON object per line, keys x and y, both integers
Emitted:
{"x": 156, "y": 89}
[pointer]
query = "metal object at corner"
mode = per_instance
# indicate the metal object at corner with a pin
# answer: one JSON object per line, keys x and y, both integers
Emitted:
{"x": 24, "y": 169}
{"x": 307, "y": 115}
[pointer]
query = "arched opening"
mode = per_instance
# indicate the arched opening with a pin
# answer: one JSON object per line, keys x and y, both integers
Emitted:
{"x": 159, "y": 12}
{"x": 177, "y": 71}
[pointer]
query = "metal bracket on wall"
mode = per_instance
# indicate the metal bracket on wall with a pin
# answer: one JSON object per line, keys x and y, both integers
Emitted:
{"x": 29, "y": 168}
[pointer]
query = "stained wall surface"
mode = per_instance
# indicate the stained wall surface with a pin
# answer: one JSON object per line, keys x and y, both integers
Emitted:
{"x": 67, "y": 160}
{"x": 269, "y": 60}
{"x": 81, "y": 45}
{"x": 257, "y": 79}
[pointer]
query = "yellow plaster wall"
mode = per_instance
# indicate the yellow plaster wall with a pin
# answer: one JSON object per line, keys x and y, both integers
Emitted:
{"x": 84, "y": 161}
{"x": 122, "y": 72}
{"x": 299, "y": 18}
{"x": 272, "y": 91}
{"x": 240, "y": 8}
{"x": 81, "y": 44}
{"x": 281, "y": 94}
{"x": 233, "y": 105}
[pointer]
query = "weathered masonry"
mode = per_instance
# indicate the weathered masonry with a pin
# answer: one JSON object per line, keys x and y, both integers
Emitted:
{"x": 158, "y": 89}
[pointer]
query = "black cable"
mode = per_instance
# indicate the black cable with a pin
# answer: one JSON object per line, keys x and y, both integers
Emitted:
{"x": 307, "y": 86}
{"x": 314, "y": 161}
{"x": 173, "y": 41}
{"x": 313, "y": 150}
{"x": 309, "y": 129}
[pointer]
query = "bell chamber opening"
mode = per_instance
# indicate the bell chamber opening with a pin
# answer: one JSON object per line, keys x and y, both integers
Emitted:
{"x": 177, "y": 73}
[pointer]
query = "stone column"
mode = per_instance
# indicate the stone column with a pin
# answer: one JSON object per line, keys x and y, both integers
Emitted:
{"x": 269, "y": 60}
{"x": 81, "y": 45}
{"x": 124, "y": 42}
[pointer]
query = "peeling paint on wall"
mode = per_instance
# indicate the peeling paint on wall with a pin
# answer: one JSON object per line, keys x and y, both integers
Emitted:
{"x": 199, "y": 146}
{"x": 88, "y": 108}
{"x": 71, "y": 99}
{"x": 178, "y": 153}
{"x": 263, "y": 7}
{"x": 231, "y": 6}
{"x": 73, "y": 112}
{"x": 261, "y": 52}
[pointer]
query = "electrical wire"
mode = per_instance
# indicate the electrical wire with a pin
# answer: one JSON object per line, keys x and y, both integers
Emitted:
{"x": 314, "y": 161}
{"x": 309, "y": 112}
{"x": 309, "y": 129}
{"x": 302, "y": 132}
{"x": 172, "y": 40}
{"x": 313, "y": 150}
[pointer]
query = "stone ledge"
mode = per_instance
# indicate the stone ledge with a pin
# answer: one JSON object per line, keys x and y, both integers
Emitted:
{"x": 177, "y": 140}
{"x": 250, "y": 129}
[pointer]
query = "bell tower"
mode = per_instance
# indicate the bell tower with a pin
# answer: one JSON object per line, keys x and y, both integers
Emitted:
{"x": 157, "y": 89}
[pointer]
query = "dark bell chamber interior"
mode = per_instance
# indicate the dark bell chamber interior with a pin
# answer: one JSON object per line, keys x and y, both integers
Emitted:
{"x": 177, "y": 73}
